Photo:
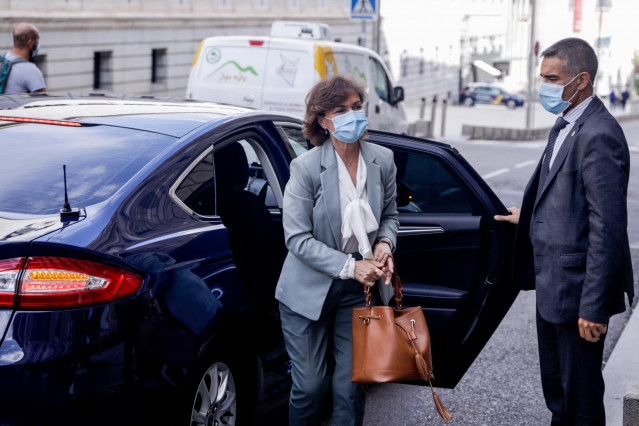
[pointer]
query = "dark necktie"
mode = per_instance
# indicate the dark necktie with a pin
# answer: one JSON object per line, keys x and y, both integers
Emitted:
{"x": 545, "y": 164}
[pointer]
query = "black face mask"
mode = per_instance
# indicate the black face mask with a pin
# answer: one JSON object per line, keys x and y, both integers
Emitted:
{"x": 34, "y": 52}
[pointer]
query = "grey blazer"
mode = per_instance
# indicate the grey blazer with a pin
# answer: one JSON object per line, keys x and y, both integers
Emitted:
{"x": 312, "y": 220}
{"x": 572, "y": 240}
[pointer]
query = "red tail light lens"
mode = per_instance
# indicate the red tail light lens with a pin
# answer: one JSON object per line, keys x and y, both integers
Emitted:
{"x": 256, "y": 42}
{"x": 59, "y": 282}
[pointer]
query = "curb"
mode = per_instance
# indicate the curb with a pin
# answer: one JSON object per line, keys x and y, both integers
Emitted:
{"x": 621, "y": 375}
{"x": 512, "y": 134}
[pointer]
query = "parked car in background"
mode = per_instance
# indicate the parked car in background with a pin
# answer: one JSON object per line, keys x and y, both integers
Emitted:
{"x": 276, "y": 72}
{"x": 149, "y": 299}
{"x": 489, "y": 94}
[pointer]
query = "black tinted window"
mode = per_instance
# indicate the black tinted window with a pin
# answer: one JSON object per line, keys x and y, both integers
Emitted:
{"x": 99, "y": 160}
{"x": 427, "y": 186}
{"x": 197, "y": 190}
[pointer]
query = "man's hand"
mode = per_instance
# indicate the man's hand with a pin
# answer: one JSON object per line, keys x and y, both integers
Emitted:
{"x": 513, "y": 217}
{"x": 591, "y": 331}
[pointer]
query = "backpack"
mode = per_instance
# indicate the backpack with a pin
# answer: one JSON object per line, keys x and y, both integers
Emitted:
{"x": 5, "y": 70}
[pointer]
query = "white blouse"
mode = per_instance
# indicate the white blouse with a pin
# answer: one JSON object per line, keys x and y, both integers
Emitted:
{"x": 357, "y": 216}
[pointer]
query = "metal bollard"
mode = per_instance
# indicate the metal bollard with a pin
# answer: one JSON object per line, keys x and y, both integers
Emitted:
{"x": 444, "y": 105}
{"x": 431, "y": 128}
{"x": 422, "y": 109}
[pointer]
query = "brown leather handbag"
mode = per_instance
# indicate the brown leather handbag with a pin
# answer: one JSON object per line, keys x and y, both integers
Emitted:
{"x": 393, "y": 345}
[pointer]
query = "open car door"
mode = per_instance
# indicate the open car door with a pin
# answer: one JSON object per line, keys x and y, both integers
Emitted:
{"x": 453, "y": 258}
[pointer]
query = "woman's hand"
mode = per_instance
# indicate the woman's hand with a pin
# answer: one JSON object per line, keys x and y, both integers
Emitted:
{"x": 383, "y": 254}
{"x": 369, "y": 271}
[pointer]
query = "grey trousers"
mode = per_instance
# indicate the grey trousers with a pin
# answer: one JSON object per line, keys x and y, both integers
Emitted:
{"x": 308, "y": 344}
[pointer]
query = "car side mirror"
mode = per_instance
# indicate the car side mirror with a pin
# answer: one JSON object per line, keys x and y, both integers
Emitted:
{"x": 404, "y": 194}
{"x": 398, "y": 95}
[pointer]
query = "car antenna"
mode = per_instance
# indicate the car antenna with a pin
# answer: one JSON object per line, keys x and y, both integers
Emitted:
{"x": 66, "y": 211}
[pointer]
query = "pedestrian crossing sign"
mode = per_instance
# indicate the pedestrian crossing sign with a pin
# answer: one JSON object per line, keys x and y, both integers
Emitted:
{"x": 364, "y": 10}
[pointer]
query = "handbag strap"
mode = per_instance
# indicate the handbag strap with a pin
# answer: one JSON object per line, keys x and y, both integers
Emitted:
{"x": 397, "y": 284}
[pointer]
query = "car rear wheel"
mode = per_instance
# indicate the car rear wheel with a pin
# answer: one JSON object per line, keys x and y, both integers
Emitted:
{"x": 215, "y": 399}
{"x": 468, "y": 101}
{"x": 511, "y": 104}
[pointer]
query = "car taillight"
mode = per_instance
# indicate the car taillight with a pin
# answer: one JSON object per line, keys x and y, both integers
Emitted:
{"x": 256, "y": 42}
{"x": 9, "y": 271}
{"x": 60, "y": 282}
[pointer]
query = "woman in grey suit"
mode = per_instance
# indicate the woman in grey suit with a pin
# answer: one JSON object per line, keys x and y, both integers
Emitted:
{"x": 340, "y": 224}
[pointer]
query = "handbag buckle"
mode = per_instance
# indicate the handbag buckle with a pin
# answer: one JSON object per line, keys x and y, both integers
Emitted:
{"x": 368, "y": 319}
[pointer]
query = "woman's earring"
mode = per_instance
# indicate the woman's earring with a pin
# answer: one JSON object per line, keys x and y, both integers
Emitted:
{"x": 326, "y": 130}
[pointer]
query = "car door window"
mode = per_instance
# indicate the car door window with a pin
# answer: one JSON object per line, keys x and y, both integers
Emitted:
{"x": 294, "y": 139}
{"x": 426, "y": 185}
{"x": 196, "y": 191}
{"x": 258, "y": 182}
{"x": 380, "y": 80}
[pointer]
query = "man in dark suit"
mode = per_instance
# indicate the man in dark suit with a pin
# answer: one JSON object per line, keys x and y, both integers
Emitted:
{"x": 572, "y": 242}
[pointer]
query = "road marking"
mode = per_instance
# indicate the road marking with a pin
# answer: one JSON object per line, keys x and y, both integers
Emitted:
{"x": 508, "y": 144}
{"x": 525, "y": 163}
{"x": 634, "y": 245}
{"x": 495, "y": 173}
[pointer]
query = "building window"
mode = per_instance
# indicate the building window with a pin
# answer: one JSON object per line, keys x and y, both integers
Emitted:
{"x": 158, "y": 66}
{"x": 103, "y": 70}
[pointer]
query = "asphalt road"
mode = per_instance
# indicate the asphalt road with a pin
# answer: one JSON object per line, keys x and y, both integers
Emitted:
{"x": 502, "y": 387}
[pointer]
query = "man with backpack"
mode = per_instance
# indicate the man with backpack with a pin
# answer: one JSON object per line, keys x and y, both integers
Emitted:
{"x": 17, "y": 73}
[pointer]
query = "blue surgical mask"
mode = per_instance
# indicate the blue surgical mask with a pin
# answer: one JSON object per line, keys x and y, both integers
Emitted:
{"x": 35, "y": 51}
{"x": 550, "y": 96}
{"x": 350, "y": 127}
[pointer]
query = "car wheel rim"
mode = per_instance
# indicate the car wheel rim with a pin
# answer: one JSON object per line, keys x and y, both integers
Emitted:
{"x": 216, "y": 398}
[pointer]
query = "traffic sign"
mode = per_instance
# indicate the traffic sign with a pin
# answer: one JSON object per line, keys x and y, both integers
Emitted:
{"x": 367, "y": 10}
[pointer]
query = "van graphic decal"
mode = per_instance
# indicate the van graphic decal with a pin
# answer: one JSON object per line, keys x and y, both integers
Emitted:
{"x": 213, "y": 55}
{"x": 239, "y": 77}
{"x": 325, "y": 62}
{"x": 358, "y": 74}
{"x": 288, "y": 70}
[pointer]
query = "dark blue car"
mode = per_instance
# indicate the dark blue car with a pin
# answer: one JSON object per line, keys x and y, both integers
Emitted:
{"x": 489, "y": 94}
{"x": 149, "y": 297}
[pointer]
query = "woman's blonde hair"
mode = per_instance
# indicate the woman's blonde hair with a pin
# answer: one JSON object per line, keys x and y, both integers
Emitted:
{"x": 326, "y": 95}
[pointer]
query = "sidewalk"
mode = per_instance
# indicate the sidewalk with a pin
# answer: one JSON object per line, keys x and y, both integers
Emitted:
{"x": 621, "y": 372}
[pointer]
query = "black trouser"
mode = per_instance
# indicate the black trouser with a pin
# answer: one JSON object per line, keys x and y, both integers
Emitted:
{"x": 571, "y": 375}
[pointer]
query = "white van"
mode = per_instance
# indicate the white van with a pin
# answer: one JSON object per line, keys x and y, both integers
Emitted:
{"x": 276, "y": 72}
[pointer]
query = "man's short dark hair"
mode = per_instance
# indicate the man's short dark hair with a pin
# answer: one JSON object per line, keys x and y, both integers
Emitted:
{"x": 578, "y": 55}
{"x": 20, "y": 39}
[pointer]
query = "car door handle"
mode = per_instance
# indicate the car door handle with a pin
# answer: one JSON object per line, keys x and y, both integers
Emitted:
{"x": 419, "y": 230}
